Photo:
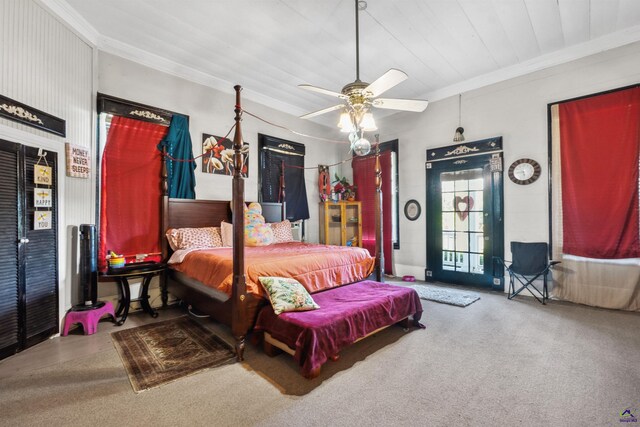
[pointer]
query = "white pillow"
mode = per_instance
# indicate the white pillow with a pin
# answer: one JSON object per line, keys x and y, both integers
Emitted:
{"x": 226, "y": 232}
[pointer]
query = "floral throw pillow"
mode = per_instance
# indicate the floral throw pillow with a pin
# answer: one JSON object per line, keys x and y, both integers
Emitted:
{"x": 282, "y": 232}
{"x": 287, "y": 294}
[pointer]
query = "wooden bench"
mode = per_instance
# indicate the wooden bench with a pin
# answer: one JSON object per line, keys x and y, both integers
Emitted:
{"x": 346, "y": 315}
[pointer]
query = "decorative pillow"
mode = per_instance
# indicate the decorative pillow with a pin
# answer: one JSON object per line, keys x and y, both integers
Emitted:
{"x": 287, "y": 294}
{"x": 191, "y": 238}
{"x": 226, "y": 230}
{"x": 256, "y": 232}
{"x": 172, "y": 238}
{"x": 282, "y": 232}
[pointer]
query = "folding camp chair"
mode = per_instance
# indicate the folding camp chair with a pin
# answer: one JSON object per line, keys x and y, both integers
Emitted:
{"x": 530, "y": 261}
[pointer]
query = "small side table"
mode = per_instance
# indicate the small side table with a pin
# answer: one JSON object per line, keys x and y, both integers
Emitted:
{"x": 121, "y": 275}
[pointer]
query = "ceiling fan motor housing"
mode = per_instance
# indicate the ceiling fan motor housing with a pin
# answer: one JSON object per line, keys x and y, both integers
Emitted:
{"x": 354, "y": 91}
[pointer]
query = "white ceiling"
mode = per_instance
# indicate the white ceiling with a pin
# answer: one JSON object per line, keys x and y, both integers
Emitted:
{"x": 270, "y": 46}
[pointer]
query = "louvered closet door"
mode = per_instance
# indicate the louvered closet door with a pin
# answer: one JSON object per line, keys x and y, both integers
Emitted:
{"x": 41, "y": 261}
{"x": 9, "y": 291}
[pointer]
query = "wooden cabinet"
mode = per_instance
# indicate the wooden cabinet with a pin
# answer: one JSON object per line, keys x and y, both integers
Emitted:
{"x": 341, "y": 223}
{"x": 28, "y": 257}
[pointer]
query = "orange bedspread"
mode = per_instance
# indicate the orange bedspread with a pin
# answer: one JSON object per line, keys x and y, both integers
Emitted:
{"x": 317, "y": 267}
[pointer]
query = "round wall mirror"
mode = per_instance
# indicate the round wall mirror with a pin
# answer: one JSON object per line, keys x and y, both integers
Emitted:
{"x": 412, "y": 210}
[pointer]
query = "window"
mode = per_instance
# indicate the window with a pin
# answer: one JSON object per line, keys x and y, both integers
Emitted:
{"x": 130, "y": 188}
{"x": 364, "y": 179}
{"x": 595, "y": 226}
{"x": 274, "y": 154}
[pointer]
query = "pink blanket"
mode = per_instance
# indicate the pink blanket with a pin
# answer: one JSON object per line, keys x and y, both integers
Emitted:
{"x": 346, "y": 314}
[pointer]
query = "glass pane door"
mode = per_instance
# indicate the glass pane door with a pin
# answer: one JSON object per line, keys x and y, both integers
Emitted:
{"x": 462, "y": 221}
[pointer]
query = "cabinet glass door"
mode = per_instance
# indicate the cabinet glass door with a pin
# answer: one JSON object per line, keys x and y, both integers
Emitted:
{"x": 352, "y": 220}
{"x": 334, "y": 224}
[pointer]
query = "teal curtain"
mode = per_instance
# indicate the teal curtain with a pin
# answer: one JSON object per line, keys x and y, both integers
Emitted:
{"x": 182, "y": 180}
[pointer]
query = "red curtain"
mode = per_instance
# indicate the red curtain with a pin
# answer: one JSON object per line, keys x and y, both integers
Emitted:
{"x": 599, "y": 138}
{"x": 364, "y": 177}
{"x": 131, "y": 196}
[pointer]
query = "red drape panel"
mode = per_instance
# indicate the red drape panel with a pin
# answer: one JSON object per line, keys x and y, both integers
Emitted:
{"x": 364, "y": 178}
{"x": 599, "y": 138}
{"x": 131, "y": 196}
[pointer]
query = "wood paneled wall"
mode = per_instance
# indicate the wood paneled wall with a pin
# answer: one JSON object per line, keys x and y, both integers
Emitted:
{"x": 47, "y": 66}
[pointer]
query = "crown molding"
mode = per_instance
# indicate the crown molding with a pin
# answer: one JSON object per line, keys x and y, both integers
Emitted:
{"x": 69, "y": 16}
{"x": 157, "y": 62}
{"x": 572, "y": 53}
{"x": 79, "y": 25}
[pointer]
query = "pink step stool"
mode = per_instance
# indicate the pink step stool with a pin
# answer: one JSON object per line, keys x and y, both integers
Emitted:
{"x": 88, "y": 318}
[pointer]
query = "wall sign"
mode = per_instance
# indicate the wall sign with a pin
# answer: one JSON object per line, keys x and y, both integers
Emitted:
{"x": 42, "y": 220}
{"x": 78, "y": 161}
{"x": 42, "y": 198}
{"x": 42, "y": 175}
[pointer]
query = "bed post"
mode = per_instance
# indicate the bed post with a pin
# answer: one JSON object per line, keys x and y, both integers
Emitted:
{"x": 239, "y": 319}
{"x": 282, "y": 195}
{"x": 165, "y": 225}
{"x": 379, "y": 265}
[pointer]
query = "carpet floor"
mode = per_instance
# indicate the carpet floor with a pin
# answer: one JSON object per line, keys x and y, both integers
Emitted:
{"x": 493, "y": 363}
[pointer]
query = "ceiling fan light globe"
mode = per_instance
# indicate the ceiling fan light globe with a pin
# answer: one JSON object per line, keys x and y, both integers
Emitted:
{"x": 361, "y": 147}
{"x": 368, "y": 124}
{"x": 345, "y": 123}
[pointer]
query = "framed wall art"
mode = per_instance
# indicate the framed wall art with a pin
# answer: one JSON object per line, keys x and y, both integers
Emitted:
{"x": 218, "y": 156}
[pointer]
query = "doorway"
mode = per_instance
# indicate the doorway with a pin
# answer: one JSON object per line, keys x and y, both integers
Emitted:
{"x": 465, "y": 227}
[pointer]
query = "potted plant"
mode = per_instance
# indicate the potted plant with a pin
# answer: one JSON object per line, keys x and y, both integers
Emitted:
{"x": 344, "y": 189}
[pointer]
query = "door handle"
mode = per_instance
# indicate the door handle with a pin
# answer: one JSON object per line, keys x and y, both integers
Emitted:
{"x": 23, "y": 240}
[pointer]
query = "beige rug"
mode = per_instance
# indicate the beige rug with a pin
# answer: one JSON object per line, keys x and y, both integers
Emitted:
{"x": 163, "y": 352}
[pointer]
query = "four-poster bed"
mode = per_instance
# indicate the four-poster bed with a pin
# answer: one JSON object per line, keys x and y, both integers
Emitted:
{"x": 239, "y": 306}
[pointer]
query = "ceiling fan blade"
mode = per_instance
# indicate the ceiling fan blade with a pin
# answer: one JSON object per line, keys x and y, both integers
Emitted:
{"x": 416, "y": 105}
{"x": 385, "y": 82}
{"x": 322, "y": 91}
{"x": 323, "y": 111}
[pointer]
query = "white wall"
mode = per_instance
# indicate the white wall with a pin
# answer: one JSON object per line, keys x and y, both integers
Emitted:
{"x": 514, "y": 109}
{"x": 46, "y": 66}
{"x": 211, "y": 111}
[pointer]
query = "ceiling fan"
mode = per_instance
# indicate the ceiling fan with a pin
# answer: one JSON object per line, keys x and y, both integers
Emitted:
{"x": 359, "y": 96}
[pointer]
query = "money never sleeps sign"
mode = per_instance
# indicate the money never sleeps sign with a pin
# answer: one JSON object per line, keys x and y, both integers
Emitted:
{"x": 78, "y": 161}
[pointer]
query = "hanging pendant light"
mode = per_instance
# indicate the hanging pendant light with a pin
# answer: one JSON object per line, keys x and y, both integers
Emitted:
{"x": 459, "y": 135}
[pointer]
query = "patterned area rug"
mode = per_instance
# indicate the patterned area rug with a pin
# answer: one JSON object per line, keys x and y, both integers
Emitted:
{"x": 446, "y": 296}
{"x": 162, "y": 352}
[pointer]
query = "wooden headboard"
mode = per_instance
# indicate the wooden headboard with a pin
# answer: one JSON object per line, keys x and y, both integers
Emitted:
{"x": 181, "y": 213}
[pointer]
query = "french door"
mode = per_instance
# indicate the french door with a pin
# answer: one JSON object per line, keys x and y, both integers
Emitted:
{"x": 465, "y": 220}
